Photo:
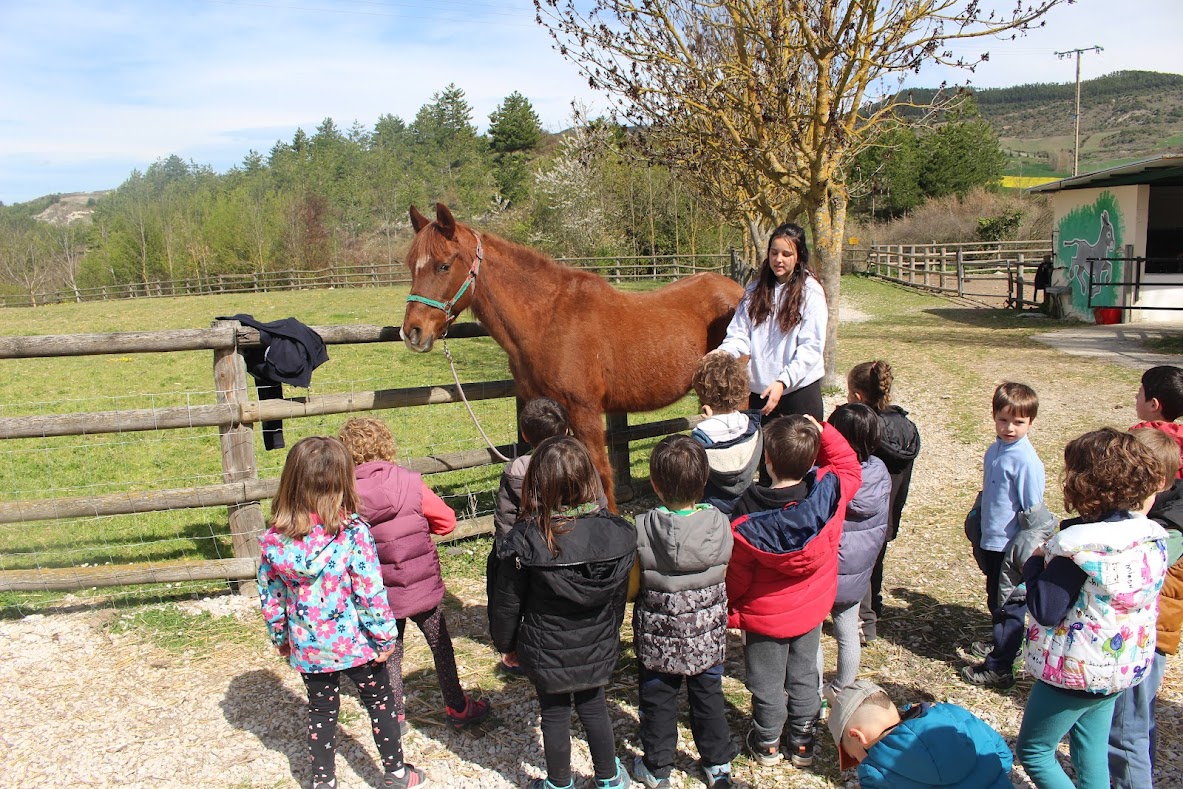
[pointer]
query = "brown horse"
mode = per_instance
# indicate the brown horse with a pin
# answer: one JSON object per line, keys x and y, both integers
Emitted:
{"x": 568, "y": 334}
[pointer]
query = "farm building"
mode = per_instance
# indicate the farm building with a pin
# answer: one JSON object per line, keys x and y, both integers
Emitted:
{"x": 1118, "y": 242}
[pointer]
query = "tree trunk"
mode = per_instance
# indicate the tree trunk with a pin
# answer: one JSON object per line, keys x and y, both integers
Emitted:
{"x": 827, "y": 223}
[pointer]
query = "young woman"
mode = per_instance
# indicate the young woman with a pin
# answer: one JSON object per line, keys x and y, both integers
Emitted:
{"x": 781, "y": 324}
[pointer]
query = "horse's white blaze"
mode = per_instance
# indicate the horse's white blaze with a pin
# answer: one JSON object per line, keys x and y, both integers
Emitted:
{"x": 421, "y": 262}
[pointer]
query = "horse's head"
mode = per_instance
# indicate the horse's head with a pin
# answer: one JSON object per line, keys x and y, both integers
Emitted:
{"x": 444, "y": 260}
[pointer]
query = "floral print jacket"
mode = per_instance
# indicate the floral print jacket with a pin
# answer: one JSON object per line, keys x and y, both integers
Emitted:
{"x": 323, "y": 596}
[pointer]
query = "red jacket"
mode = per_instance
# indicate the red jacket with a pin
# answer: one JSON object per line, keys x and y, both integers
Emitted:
{"x": 1172, "y": 429}
{"x": 783, "y": 575}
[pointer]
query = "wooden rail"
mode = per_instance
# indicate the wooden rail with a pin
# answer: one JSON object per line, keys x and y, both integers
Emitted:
{"x": 235, "y": 414}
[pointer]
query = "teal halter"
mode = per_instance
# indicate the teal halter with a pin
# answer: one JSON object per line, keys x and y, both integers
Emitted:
{"x": 446, "y": 306}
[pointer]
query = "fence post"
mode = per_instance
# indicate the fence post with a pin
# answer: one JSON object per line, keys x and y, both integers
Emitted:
{"x": 944, "y": 268}
{"x": 618, "y": 457}
{"x": 1019, "y": 281}
{"x": 238, "y": 451}
{"x": 960, "y": 272}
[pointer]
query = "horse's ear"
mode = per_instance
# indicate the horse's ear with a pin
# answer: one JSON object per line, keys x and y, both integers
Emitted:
{"x": 445, "y": 221}
{"x": 418, "y": 221}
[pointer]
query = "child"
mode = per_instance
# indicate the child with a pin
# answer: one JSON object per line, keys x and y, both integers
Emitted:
{"x": 899, "y": 444}
{"x": 1133, "y": 736}
{"x": 997, "y": 656}
{"x": 680, "y": 617}
{"x": 730, "y": 436}
{"x": 557, "y": 596}
{"x": 322, "y": 598}
{"x": 1159, "y": 403}
{"x": 403, "y": 513}
{"x": 783, "y": 578}
{"x": 931, "y": 745}
{"x": 1012, "y": 482}
{"x": 540, "y": 419}
{"x": 863, "y": 535}
{"x": 1091, "y": 591}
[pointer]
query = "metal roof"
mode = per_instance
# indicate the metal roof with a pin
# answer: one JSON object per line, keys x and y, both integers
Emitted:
{"x": 1164, "y": 170}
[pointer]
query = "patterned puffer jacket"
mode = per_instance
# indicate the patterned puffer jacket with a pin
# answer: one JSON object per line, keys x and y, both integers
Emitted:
{"x": 680, "y": 618}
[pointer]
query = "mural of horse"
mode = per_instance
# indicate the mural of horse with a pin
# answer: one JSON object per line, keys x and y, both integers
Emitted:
{"x": 1103, "y": 247}
{"x": 569, "y": 335}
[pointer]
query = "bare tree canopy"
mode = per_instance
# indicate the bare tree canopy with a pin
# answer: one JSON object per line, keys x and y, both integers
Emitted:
{"x": 765, "y": 101}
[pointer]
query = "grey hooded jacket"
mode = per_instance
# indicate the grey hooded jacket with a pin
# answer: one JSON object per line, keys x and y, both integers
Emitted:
{"x": 680, "y": 617}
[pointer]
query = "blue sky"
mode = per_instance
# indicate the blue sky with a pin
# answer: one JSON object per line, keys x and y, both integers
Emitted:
{"x": 92, "y": 90}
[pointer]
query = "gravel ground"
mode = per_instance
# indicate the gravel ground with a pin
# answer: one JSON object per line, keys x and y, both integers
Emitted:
{"x": 90, "y": 706}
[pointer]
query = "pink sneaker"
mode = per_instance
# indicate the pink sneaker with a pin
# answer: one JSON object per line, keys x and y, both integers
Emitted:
{"x": 475, "y": 711}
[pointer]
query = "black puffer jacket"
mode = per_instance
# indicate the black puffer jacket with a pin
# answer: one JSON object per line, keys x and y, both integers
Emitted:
{"x": 898, "y": 449}
{"x": 562, "y": 613}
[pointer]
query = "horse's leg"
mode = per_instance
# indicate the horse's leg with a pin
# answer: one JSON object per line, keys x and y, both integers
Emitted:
{"x": 587, "y": 425}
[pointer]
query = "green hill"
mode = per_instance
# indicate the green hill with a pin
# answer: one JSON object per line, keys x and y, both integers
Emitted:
{"x": 1124, "y": 116}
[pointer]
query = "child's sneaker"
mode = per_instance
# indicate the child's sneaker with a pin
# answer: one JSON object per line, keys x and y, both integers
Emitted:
{"x": 508, "y": 672}
{"x": 718, "y": 775}
{"x": 765, "y": 755}
{"x": 544, "y": 783}
{"x": 980, "y": 650}
{"x": 645, "y": 775}
{"x": 475, "y": 711}
{"x": 618, "y": 781}
{"x": 983, "y": 677}
{"x": 412, "y": 776}
{"x": 801, "y": 746}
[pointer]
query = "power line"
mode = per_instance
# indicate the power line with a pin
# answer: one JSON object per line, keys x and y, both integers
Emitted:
{"x": 1076, "y": 116}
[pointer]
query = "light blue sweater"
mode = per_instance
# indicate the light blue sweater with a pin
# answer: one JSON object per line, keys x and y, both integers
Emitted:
{"x": 1012, "y": 481}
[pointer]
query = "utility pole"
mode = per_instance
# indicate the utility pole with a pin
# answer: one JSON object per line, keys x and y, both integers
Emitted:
{"x": 1076, "y": 117}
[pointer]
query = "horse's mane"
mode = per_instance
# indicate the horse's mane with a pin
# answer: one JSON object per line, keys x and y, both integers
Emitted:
{"x": 437, "y": 246}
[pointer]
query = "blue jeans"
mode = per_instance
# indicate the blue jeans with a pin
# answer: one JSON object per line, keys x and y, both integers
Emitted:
{"x": 1132, "y": 738}
{"x": 1050, "y": 714}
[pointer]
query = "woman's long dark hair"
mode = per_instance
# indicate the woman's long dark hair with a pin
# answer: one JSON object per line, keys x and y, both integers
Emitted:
{"x": 560, "y": 476}
{"x": 788, "y": 312}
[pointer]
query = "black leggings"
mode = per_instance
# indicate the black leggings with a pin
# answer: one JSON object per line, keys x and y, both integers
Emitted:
{"x": 324, "y": 702}
{"x": 435, "y": 629}
{"x": 592, "y": 709}
{"x": 806, "y": 400}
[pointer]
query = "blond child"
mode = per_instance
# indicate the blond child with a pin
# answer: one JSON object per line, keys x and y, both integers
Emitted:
{"x": 403, "y": 513}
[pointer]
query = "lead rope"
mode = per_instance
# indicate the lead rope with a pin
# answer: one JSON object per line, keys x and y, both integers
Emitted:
{"x": 452, "y": 363}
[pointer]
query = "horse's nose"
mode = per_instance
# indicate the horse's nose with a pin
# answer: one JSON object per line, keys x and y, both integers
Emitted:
{"x": 412, "y": 337}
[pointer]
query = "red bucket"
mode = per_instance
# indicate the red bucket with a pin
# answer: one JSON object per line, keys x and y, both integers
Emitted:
{"x": 1106, "y": 316}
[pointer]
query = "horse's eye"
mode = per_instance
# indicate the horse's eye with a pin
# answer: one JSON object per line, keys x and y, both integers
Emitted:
{"x": 443, "y": 268}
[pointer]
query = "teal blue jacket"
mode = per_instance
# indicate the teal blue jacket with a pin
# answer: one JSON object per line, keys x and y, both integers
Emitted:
{"x": 938, "y": 745}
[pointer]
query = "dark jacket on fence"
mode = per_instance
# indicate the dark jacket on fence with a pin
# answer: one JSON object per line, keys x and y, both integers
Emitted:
{"x": 289, "y": 353}
{"x": 898, "y": 449}
{"x": 563, "y": 612}
{"x": 863, "y": 532}
{"x": 680, "y": 616}
{"x": 783, "y": 574}
{"x": 403, "y": 513}
{"x": 1036, "y": 525}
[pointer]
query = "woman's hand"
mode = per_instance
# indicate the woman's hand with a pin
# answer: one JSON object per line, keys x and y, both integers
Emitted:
{"x": 775, "y": 390}
{"x": 382, "y": 656}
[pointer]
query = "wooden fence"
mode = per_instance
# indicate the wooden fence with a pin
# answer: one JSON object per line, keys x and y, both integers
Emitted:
{"x": 1002, "y": 270}
{"x": 372, "y": 275}
{"x": 235, "y": 416}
